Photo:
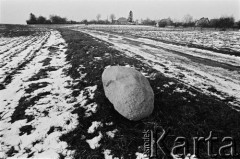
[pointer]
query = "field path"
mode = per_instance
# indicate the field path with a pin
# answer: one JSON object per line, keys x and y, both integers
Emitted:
{"x": 210, "y": 72}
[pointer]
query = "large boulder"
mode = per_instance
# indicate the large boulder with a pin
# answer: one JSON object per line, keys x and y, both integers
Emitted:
{"x": 129, "y": 92}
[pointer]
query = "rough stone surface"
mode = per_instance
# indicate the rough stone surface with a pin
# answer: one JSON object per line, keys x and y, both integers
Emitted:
{"x": 129, "y": 92}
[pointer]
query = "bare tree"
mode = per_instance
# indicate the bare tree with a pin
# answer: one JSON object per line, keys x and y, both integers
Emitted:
{"x": 98, "y": 17}
{"x": 112, "y": 17}
{"x": 187, "y": 19}
{"x": 137, "y": 21}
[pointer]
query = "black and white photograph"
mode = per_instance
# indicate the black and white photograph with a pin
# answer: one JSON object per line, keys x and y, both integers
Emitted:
{"x": 119, "y": 79}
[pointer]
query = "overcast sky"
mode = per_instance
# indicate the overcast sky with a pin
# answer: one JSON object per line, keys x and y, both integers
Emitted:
{"x": 17, "y": 11}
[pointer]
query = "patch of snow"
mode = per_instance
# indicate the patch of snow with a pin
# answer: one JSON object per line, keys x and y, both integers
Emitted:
{"x": 188, "y": 156}
{"x": 111, "y": 134}
{"x": 179, "y": 90}
{"x": 192, "y": 94}
{"x": 94, "y": 142}
{"x": 48, "y": 154}
{"x": 141, "y": 156}
{"x": 166, "y": 85}
{"x": 107, "y": 154}
{"x": 90, "y": 108}
{"x": 94, "y": 126}
{"x": 128, "y": 65}
{"x": 91, "y": 89}
{"x": 2, "y": 155}
{"x": 110, "y": 123}
{"x": 97, "y": 58}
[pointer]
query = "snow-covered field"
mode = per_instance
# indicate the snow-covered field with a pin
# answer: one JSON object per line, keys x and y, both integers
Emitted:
{"x": 37, "y": 142}
{"x": 15, "y": 51}
{"x": 208, "y": 71}
{"x": 219, "y": 40}
{"x": 53, "y": 107}
{"x": 36, "y": 94}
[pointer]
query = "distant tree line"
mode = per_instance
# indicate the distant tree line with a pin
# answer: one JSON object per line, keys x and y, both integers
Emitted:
{"x": 187, "y": 21}
{"x": 222, "y": 22}
{"x": 53, "y": 19}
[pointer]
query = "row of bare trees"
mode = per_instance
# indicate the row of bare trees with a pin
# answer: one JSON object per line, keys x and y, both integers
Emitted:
{"x": 99, "y": 21}
{"x": 113, "y": 17}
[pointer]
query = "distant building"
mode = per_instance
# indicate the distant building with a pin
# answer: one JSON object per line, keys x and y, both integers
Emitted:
{"x": 203, "y": 22}
{"x": 122, "y": 21}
